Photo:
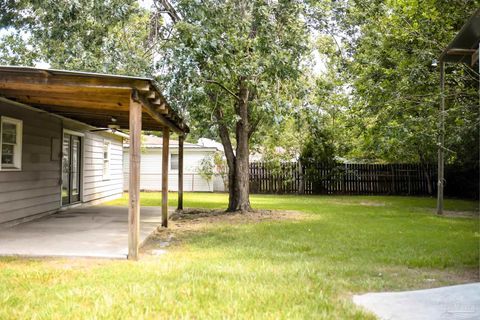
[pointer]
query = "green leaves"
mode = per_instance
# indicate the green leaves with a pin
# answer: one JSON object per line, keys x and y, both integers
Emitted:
{"x": 87, "y": 35}
{"x": 257, "y": 43}
{"x": 395, "y": 89}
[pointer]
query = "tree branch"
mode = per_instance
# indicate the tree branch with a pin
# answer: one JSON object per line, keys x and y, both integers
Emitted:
{"x": 223, "y": 87}
{"x": 170, "y": 10}
{"x": 225, "y": 138}
{"x": 254, "y": 127}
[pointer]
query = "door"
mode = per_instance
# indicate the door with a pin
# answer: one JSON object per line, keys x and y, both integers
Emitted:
{"x": 71, "y": 168}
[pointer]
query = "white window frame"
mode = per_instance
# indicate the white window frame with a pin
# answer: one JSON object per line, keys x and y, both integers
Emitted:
{"x": 18, "y": 149}
{"x": 171, "y": 162}
{"x": 106, "y": 161}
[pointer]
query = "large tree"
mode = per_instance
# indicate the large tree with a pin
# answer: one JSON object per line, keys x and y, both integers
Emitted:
{"x": 390, "y": 46}
{"x": 234, "y": 66}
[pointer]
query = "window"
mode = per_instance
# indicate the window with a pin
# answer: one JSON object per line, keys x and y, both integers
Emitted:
{"x": 106, "y": 159}
{"x": 174, "y": 161}
{"x": 11, "y": 144}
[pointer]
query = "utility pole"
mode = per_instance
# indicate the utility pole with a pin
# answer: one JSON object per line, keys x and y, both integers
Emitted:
{"x": 441, "y": 141}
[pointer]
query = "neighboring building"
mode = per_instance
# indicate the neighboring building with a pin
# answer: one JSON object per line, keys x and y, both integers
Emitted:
{"x": 151, "y": 165}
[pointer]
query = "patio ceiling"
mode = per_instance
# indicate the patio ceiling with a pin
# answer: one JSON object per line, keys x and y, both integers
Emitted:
{"x": 91, "y": 98}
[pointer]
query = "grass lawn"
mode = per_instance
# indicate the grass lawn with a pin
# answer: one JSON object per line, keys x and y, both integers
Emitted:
{"x": 288, "y": 269}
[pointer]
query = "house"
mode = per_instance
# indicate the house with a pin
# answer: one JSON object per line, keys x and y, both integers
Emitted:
{"x": 151, "y": 172}
{"x": 61, "y": 147}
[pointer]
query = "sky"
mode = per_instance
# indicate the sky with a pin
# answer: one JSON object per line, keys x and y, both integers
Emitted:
{"x": 145, "y": 3}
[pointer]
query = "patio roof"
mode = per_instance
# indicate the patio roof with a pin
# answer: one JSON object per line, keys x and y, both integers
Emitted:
{"x": 464, "y": 47}
{"x": 92, "y": 98}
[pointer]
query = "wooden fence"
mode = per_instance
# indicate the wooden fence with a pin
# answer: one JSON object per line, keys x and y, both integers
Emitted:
{"x": 339, "y": 178}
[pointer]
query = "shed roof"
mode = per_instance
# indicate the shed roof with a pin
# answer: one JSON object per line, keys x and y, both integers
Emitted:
{"x": 93, "y": 98}
{"x": 464, "y": 47}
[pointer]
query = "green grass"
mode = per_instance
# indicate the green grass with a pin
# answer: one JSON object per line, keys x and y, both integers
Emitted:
{"x": 305, "y": 268}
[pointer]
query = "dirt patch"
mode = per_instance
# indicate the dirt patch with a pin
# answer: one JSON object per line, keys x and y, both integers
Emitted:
{"x": 461, "y": 214}
{"x": 372, "y": 204}
{"x": 353, "y": 202}
{"x": 189, "y": 221}
{"x": 420, "y": 278}
{"x": 233, "y": 217}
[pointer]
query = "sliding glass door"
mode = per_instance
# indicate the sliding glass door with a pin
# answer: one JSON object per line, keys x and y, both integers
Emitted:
{"x": 71, "y": 168}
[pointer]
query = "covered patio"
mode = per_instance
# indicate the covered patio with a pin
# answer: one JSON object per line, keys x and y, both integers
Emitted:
{"x": 91, "y": 232}
{"x": 105, "y": 103}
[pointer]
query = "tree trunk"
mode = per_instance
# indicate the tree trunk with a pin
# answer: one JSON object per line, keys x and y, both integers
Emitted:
{"x": 227, "y": 146}
{"x": 425, "y": 166}
{"x": 238, "y": 162}
{"x": 241, "y": 196}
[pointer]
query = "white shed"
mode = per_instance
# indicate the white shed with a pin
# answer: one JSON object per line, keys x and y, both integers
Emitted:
{"x": 151, "y": 166}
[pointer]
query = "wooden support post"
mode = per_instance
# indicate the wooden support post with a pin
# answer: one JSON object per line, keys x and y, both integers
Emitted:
{"x": 441, "y": 140}
{"x": 474, "y": 58}
{"x": 135, "y": 121}
{"x": 165, "y": 154}
{"x": 180, "y": 172}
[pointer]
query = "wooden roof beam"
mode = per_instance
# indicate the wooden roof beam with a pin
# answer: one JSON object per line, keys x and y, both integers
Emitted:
{"x": 162, "y": 108}
{"x": 119, "y": 100}
{"x": 156, "y": 101}
{"x": 151, "y": 110}
{"x": 15, "y": 79}
{"x": 72, "y": 103}
{"x": 474, "y": 58}
{"x": 151, "y": 94}
{"x": 460, "y": 52}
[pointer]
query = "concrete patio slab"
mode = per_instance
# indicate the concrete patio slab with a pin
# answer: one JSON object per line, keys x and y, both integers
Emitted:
{"x": 454, "y": 302}
{"x": 96, "y": 231}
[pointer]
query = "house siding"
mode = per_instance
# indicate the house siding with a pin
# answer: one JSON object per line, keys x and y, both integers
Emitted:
{"x": 95, "y": 187}
{"x": 36, "y": 189}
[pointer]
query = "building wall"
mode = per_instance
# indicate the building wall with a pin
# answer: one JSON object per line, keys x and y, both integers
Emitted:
{"x": 36, "y": 189}
{"x": 95, "y": 186}
{"x": 151, "y": 171}
{"x": 219, "y": 184}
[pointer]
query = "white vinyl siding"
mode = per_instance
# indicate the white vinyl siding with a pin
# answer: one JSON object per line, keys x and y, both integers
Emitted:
{"x": 95, "y": 184}
{"x": 173, "y": 161}
{"x": 151, "y": 170}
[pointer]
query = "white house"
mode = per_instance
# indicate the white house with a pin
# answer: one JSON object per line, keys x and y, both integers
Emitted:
{"x": 151, "y": 166}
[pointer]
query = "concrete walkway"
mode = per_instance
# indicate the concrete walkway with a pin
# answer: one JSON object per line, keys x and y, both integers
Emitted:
{"x": 455, "y": 303}
{"x": 97, "y": 231}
